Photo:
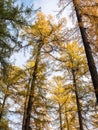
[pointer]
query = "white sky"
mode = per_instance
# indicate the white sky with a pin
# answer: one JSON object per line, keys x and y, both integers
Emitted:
{"x": 47, "y": 6}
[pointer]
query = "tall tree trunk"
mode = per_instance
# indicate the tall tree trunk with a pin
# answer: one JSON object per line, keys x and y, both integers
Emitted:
{"x": 90, "y": 60}
{"x": 60, "y": 117}
{"x": 77, "y": 100}
{"x": 3, "y": 104}
{"x": 25, "y": 103}
{"x": 26, "y": 120}
{"x": 67, "y": 122}
{"x": 2, "y": 107}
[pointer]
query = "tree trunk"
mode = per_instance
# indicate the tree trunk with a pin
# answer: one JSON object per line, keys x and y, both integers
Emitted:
{"x": 26, "y": 120}
{"x": 25, "y": 103}
{"x": 60, "y": 117}
{"x": 67, "y": 122}
{"x": 2, "y": 107}
{"x": 77, "y": 100}
{"x": 3, "y": 104}
{"x": 90, "y": 60}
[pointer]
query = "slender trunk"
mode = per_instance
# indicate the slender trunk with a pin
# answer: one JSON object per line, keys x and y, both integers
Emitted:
{"x": 77, "y": 100}
{"x": 90, "y": 60}
{"x": 67, "y": 120}
{"x": 26, "y": 125}
{"x": 3, "y": 70}
{"x": 60, "y": 117}
{"x": 3, "y": 105}
{"x": 25, "y": 103}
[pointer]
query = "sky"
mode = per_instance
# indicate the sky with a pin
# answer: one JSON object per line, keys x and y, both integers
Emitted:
{"x": 48, "y": 7}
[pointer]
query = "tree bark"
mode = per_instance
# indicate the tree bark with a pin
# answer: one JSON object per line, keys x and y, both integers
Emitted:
{"x": 77, "y": 100}
{"x": 90, "y": 60}
{"x": 60, "y": 117}
{"x": 2, "y": 107}
{"x": 25, "y": 103}
{"x": 67, "y": 122}
{"x": 3, "y": 104}
{"x": 26, "y": 119}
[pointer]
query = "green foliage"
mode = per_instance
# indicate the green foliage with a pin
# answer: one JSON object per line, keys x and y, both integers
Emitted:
{"x": 12, "y": 19}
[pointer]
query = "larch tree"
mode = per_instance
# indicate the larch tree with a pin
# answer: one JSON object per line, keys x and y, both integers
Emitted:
{"x": 8, "y": 90}
{"x": 41, "y": 34}
{"x": 76, "y": 69}
{"x": 63, "y": 108}
{"x": 39, "y": 116}
{"x": 88, "y": 51}
{"x": 12, "y": 17}
{"x": 82, "y": 8}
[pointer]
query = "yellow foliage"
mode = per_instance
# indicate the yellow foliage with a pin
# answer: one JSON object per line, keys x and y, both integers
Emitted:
{"x": 75, "y": 56}
{"x": 44, "y": 30}
{"x": 58, "y": 94}
{"x": 30, "y": 64}
{"x": 13, "y": 75}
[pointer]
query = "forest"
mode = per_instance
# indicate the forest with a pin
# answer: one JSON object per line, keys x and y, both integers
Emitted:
{"x": 57, "y": 87}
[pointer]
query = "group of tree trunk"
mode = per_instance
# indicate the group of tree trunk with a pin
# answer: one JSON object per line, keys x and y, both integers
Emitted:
{"x": 55, "y": 89}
